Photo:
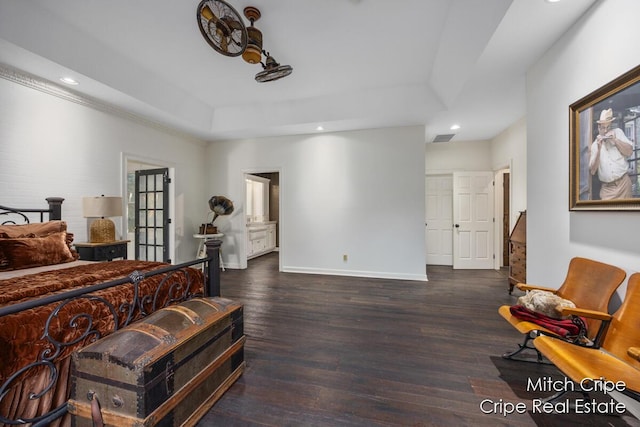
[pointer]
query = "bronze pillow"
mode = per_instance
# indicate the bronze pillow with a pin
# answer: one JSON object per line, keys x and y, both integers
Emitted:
{"x": 69, "y": 241}
{"x": 38, "y": 228}
{"x": 27, "y": 252}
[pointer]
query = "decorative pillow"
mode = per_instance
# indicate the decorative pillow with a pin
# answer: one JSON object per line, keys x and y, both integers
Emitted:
{"x": 39, "y": 229}
{"x": 26, "y": 252}
{"x": 545, "y": 302}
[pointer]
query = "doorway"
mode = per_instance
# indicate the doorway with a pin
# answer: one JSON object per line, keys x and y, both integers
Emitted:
{"x": 149, "y": 209}
{"x": 439, "y": 218}
{"x": 263, "y": 214}
{"x": 506, "y": 217}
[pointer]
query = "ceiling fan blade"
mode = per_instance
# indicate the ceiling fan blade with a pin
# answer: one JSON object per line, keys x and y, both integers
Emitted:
{"x": 232, "y": 23}
{"x": 207, "y": 13}
{"x": 224, "y": 43}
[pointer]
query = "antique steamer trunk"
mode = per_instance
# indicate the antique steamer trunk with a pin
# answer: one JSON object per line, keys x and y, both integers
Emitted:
{"x": 167, "y": 369}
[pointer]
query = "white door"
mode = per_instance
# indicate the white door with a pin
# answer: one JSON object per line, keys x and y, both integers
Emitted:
{"x": 439, "y": 219}
{"x": 473, "y": 220}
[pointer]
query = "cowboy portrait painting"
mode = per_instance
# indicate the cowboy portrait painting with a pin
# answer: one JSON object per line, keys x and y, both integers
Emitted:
{"x": 605, "y": 147}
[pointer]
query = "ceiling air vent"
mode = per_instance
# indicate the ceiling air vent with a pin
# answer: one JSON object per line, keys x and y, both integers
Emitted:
{"x": 446, "y": 137}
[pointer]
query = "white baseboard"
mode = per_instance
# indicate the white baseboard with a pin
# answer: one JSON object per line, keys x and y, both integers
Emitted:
{"x": 352, "y": 273}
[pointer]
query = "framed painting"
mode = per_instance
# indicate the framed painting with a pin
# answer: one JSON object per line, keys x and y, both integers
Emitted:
{"x": 604, "y": 147}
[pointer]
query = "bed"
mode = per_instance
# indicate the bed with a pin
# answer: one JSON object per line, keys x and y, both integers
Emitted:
{"x": 52, "y": 304}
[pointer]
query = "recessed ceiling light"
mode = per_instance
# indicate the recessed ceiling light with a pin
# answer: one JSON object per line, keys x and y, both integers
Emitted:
{"x": 552, "y": 1}
{"x": 319, "y": 128}
{"x": 68, "y": 80}
{"x": 454, "y": 127}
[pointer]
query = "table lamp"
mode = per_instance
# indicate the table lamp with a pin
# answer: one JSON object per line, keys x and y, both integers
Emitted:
{"x": 102, "y": 229}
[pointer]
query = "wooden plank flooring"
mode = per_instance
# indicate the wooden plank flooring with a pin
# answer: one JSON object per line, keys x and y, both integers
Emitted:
{"x": 342, "y": 351}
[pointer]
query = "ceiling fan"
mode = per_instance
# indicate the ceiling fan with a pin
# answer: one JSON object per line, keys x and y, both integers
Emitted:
{"x": 222, "y": 27}
{"x": 254, "y": 51}
{"x": 224, "y": 30}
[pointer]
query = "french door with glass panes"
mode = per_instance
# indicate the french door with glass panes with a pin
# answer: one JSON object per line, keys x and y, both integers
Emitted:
{"x": 152, "y": 215}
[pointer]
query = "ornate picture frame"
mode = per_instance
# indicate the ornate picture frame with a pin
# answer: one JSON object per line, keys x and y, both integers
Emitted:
{"x": 604, "y": 146}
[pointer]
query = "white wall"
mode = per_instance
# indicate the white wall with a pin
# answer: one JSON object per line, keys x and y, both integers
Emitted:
{"x": 50, "y": 146}
{"x": 446, "y": 157}
{"x": 595, "y": 51}
{"x": 357, "y": 193}
{"x": 509, "y": 150}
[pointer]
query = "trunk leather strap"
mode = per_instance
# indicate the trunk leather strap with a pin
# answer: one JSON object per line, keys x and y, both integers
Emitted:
{"x": 96, "y": 415}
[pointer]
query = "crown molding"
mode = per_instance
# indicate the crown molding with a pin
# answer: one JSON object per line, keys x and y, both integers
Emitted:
{"x": 32, "y": 81}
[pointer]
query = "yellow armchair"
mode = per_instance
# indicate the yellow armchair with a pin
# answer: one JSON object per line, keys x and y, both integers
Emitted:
{"x": 589, "y": 285}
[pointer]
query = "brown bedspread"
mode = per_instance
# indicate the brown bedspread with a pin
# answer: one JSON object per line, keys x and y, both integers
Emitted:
{"x": 24, "y": 337}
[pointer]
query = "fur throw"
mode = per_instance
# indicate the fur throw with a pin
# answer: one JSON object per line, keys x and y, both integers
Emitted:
{"x": 545, "y": 302}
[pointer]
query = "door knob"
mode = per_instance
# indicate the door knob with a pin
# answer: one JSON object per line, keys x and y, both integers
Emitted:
{"x": 457, "y": 225}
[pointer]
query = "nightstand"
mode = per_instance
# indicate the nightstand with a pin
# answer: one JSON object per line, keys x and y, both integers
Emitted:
{"x": 102, "y": 251}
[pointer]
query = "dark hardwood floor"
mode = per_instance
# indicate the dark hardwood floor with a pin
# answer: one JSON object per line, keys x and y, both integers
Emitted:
{"x": 344, "y": 351}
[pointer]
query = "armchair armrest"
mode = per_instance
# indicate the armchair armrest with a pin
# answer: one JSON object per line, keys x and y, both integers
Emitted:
{"x": 529, "y": 287}
{"x": 605, "y": 320}
{"x": 592, "y": 314}
{"x": 634, "y": 352}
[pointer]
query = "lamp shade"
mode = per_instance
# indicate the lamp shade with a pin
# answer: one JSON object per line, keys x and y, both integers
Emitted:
{"x": 101, "y": 207}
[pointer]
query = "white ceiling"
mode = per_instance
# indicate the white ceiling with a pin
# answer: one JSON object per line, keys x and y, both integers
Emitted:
{"x": 356, "y": 63}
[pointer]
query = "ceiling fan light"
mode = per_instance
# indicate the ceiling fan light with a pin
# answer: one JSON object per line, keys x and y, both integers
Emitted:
{"x": 252, "y": 55}
{"x": 253, "y": 52}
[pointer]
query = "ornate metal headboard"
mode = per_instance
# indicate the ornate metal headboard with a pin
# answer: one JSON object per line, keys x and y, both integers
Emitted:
{"x": 10, "y": 215}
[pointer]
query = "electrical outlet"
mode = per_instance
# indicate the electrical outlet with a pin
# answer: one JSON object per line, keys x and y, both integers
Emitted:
{"x": 345, "y": 258}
